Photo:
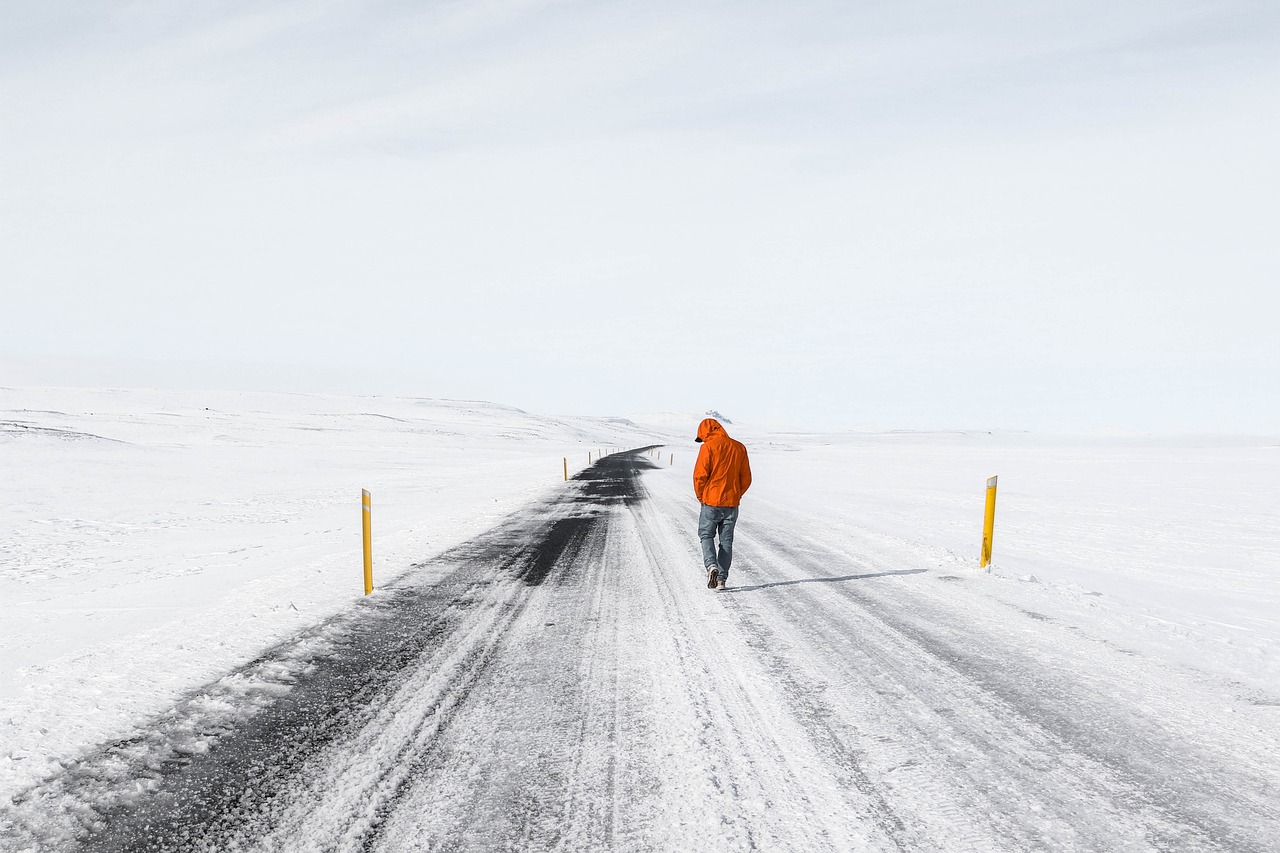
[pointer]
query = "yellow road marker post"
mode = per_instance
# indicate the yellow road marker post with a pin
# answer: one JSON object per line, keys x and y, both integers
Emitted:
{"x": 566, "y": 469}
{"x": 366, "y": 501}
{"x": 989, "y": 524}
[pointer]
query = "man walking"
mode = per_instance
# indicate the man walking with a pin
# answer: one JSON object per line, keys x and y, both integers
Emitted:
{"x": 721, "y": 476}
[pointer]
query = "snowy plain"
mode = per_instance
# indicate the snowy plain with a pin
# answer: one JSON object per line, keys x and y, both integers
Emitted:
{"x": 155, "y": 540}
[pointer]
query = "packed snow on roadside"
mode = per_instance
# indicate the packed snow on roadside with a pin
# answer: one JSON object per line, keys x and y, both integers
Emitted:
{"x": 153, "y": 540}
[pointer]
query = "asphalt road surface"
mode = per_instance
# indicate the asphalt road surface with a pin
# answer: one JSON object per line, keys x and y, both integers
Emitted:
{"x": 571, "y": 684}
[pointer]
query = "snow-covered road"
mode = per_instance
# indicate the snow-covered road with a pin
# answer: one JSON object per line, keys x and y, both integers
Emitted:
{"x": 572, "y": 685}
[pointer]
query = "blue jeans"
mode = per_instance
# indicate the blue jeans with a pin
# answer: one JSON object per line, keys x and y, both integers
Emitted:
{"x": 719, "y": 520}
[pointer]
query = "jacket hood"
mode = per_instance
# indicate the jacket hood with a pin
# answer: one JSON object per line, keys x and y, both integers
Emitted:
{"x": 708, "y": 428}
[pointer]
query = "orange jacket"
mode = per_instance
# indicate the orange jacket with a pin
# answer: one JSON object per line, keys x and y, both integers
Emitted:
{"x": 722, "y": 474}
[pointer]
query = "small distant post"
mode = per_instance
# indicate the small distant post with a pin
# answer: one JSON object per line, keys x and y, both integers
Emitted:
{"x": 566, "y": 469}
{"x": 366, "y": 501}
{"x": 989, "y": 524}
{"x": 673, "y": 459}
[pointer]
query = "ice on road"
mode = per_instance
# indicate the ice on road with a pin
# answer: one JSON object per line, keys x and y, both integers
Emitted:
{"x": 571, "y": 684}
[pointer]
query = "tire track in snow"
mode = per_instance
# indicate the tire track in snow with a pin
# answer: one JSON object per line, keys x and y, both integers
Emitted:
{"x": 1132, "y": 774}
{"x": 836, "y": 765}
{"x": 1063, "y": 767}
{"x": 529, "y": 765}
{"x": 752, "y": 783}
{"x": 962, "y": 770}
{"x": 338, "y": 718}
{"x": 570, "y": 684}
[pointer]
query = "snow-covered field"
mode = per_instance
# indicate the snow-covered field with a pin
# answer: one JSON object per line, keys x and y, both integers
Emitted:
{"x": 155, "y": 540}
{"x": 151, "y": 540}
{"x": 1173, "y": 543}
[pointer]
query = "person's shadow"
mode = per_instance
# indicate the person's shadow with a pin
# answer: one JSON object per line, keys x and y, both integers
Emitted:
{"x": 840, "y": 579}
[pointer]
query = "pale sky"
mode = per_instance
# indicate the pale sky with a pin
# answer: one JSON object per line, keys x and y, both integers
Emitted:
{"x": 1003, "y": 214}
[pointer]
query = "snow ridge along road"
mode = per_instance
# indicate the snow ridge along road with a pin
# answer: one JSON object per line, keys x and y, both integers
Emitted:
{"x": 571, "y": 685}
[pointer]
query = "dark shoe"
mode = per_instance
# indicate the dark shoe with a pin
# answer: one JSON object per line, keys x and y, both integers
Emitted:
{"x": 712, "y": 578}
